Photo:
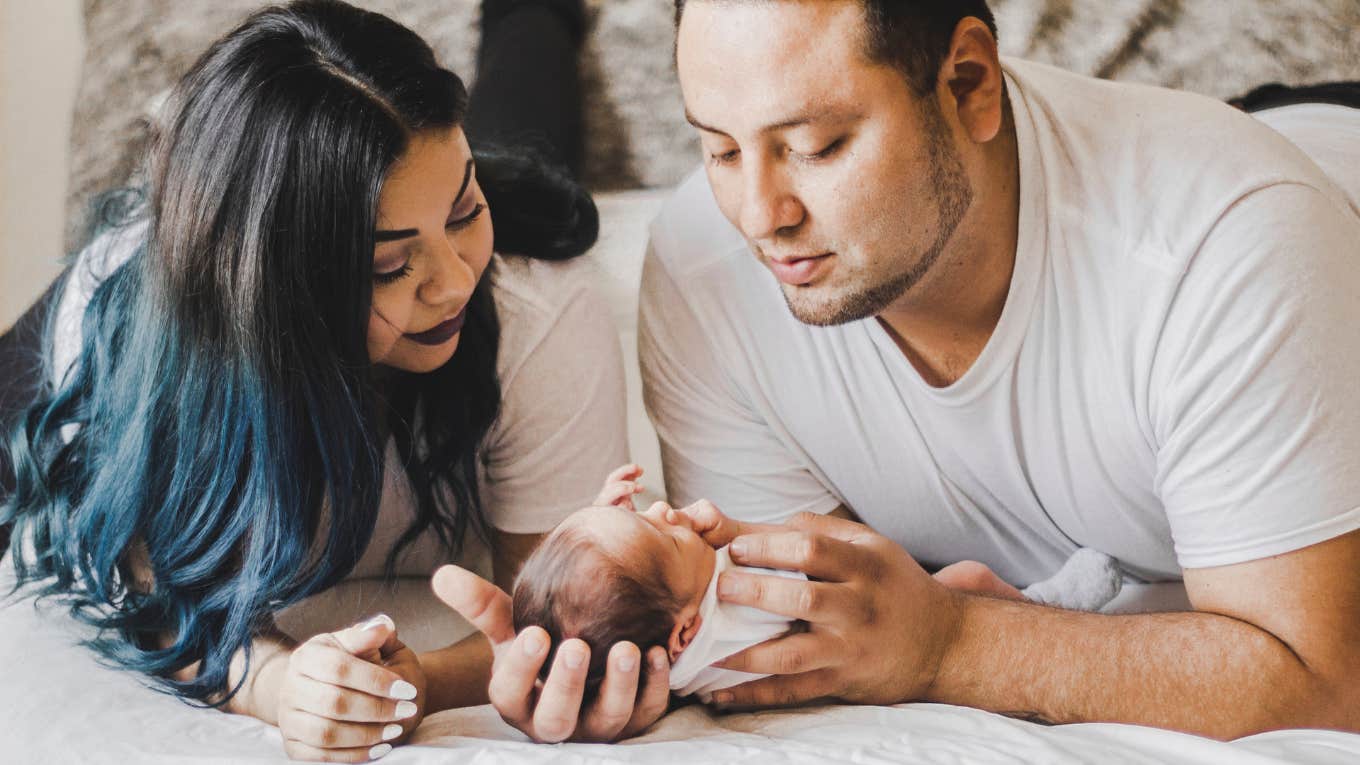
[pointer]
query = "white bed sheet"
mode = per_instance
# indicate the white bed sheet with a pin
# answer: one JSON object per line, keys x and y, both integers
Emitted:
{"x": 59, "y": 705}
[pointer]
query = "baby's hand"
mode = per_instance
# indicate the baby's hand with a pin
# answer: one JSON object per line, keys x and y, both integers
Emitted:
{"x": 620, "y": 487}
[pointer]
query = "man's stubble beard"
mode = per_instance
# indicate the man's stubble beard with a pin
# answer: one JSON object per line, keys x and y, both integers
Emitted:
{"x": 954, "y": 193}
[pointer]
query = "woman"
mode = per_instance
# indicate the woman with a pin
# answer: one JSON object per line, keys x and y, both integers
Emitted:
{"x": 301, "y": 361}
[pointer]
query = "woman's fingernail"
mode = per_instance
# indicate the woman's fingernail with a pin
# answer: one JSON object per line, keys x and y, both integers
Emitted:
{"x": 378, "y": 621}
{"x": 405, "y": 709}
{"x": 402, "y": 690}
{"x": 722, "y": 697}
{"x": 574, "y": 659}
{"x": 627, "y": 662}
{"x": 391, "y": 732}
{"x": 380, "y": 750}
{"x": 532, "y": 645}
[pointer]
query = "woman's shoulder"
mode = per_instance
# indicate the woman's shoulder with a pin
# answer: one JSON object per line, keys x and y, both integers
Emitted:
{"x": 548, "y": 306}
{"x": 100, "y": 258}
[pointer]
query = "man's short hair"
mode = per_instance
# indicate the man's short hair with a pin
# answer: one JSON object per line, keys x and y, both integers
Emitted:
{"x": 910, "y": 35}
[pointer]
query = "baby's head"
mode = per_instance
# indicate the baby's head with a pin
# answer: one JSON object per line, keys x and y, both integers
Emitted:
{"x": 607, "y": 574}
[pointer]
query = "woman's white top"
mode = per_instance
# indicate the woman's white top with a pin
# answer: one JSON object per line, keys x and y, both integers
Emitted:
{"x": 562, "y": 423}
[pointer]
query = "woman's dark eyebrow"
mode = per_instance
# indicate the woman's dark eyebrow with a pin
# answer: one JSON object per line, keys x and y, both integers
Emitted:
{"x": 405, "y": 233}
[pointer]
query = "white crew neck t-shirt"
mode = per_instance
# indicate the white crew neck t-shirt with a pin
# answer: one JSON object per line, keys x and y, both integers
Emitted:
{"x": 562, "y": 425}
{"x": 1174, "y": 380}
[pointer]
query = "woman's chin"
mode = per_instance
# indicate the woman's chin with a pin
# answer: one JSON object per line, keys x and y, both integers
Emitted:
{"x": 410, "y": 356}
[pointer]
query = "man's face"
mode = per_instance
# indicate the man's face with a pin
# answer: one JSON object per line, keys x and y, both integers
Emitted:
{"x": 846, "y": 184}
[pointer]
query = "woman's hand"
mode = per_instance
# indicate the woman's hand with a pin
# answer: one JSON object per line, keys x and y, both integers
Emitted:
{"x": 349, "y": 696}
{"x": 551, "y": 711}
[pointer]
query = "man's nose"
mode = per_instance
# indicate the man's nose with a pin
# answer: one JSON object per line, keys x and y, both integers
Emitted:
{"x": 768, "y": 209}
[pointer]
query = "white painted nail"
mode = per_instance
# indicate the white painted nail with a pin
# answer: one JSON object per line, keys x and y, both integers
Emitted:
{"x": 380, "y": 750}
{"x": 405, "y": 709}
{"x": 378, "y": 621}
{"x": 391, "y": 732}
{"x": 402, "y": 690}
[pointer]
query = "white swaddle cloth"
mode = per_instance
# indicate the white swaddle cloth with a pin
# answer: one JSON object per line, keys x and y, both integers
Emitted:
{"x": 724, "y": 629}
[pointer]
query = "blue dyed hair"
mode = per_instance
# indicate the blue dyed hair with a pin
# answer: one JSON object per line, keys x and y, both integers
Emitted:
{"x": 222, "y": 419}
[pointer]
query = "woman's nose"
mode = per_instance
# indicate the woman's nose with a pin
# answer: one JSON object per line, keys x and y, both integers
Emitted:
{"x": 450, "y": 280}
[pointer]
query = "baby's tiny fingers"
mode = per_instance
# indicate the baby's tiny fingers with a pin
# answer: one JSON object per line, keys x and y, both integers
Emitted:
{"x": 297, "y": 750}
{"x": 316, "y": 731}
{"x": 629, "y": 472}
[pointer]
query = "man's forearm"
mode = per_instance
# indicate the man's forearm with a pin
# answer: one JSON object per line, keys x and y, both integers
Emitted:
{"x": 457, "y": 676}
{"x": 1197, "y": 672}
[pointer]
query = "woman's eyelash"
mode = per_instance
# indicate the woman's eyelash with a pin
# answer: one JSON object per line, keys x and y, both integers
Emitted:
{"x": 392, "y": 276}
{"x": 465, "y": 221}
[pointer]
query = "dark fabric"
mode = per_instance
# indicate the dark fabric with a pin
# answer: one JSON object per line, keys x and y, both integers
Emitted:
{"x": 1276, "y": 95}
{"x": 21, "y": 377}
{"x": 528, "y": 88}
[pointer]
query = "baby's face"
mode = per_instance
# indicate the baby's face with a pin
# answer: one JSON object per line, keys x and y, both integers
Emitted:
{"x": 685, "y": 560}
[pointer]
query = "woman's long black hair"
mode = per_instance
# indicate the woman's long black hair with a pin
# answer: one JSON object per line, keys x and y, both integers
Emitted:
{"x": 221, "y": 423}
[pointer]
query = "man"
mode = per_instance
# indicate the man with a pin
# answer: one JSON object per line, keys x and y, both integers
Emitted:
{"x": 1034, "y": 312}
{"x": 998, "y": 312}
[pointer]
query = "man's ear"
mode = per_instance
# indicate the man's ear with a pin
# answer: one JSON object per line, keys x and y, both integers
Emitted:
{"x": 686, "y": 627}
{"x": 971, "y": 73}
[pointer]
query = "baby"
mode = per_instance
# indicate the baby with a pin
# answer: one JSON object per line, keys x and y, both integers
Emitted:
{"x": 608, "y": 574}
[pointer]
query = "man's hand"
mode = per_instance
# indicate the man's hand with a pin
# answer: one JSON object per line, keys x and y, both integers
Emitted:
{"x": 551, "y": 711}
{"x": 878, "y": 624}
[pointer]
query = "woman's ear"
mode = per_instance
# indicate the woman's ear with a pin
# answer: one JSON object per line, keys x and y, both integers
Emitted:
{"x": 686, "y": 627}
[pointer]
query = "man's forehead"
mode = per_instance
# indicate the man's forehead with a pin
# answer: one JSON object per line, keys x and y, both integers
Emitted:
{"x": 800, "y": 65}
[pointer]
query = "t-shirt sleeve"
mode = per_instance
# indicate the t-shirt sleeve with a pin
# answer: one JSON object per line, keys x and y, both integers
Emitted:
{"x": 715, "y": 445}
{"x": 1256, "y": 403}
{"x": 562, "y": 426}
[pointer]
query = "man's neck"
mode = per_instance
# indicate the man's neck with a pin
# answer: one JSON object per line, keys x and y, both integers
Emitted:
{"x": 944, "y": 322}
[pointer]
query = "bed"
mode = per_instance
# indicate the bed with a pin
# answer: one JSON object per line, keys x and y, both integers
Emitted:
{"x": 58, "y": 704}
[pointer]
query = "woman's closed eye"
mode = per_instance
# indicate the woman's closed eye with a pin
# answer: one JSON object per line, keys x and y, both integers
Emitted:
{"x": 458, "y": 224}
{"x": 388, "y": 277}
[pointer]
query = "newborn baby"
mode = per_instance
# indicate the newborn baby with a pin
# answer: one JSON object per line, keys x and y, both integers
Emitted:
{"x": 608, "y": 574}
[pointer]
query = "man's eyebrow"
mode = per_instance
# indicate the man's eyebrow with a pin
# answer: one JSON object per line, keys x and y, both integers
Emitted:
{"x": 793, "y": 121}
{"x": 382, "y": 235}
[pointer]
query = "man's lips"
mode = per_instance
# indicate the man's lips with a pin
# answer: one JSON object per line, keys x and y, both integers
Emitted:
{"x": 441, "y": 333}
{"x": 799, "y": 270}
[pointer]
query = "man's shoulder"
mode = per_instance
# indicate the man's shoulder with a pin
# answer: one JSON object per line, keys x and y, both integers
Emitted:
{"x": 1141, "y": 168}
{"x": 690, "y": 234}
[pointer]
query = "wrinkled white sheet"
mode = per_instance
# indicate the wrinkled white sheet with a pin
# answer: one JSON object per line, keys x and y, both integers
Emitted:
{"x": 58, "y": 705}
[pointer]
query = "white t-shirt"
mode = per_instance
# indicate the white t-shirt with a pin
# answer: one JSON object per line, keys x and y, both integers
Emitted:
{"x": 562, "y": 425}
{"x": 1173, "y": 380}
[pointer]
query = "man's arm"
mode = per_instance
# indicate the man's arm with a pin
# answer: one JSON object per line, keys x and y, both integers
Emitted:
{"x": 1273, "y": 643}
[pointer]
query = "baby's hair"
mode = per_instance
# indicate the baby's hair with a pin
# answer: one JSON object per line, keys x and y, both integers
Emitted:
{"x": 573, "y": 589}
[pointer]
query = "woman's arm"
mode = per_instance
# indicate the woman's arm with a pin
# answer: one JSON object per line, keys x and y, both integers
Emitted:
{"x": 458, "y": 675}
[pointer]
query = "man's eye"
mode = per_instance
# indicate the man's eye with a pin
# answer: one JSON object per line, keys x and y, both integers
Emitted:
{"x": 831, "y": 149}
{"x": 725, "y": 158}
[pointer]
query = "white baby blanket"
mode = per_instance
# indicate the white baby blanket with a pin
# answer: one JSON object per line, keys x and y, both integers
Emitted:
{"x": 724, "y": 630}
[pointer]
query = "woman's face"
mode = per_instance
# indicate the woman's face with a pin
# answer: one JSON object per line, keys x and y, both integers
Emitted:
{"x": 434, "y": 241}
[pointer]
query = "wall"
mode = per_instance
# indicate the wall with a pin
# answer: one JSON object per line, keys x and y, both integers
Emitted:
{"x": 41, "y": 46}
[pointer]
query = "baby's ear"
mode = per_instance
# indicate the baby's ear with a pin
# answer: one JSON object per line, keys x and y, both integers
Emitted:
{"x": 686, "y": 627}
